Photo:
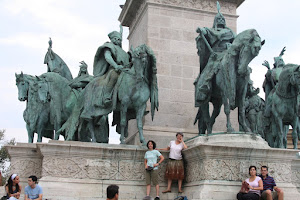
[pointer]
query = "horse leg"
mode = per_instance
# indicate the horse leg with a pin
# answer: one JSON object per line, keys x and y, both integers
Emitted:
{"x": 242, "y": 117}
{"x": 201, "y": 124}
{"x": 279, "y": 135}
{"x": 227, "y": 112}
{"x": 139, "y": 119}
{"x": 123, "y": 122}
{"x": 40, "y": 129}
{"x": 91, "y": 128}
{"x": 294, "y": 133}
{"x": 30, "y": 134}
{"x": 217, "y": 108}
{"x": 285, "y": 132}
{"x": 205, "y": 119}
{"x": 56, "y": 128}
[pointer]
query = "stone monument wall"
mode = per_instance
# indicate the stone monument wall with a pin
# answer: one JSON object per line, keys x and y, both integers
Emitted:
{"x": 169, "y": 28}
{"x": 79, "y": 170}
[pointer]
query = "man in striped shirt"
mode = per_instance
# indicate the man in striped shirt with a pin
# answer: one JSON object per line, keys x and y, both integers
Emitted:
{"x": 271, "y": 191}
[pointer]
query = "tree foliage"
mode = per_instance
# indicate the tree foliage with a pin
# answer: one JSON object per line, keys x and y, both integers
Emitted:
{"x": 4, "y": 158}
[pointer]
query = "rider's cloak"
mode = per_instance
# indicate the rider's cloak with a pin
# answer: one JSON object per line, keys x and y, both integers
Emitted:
{"x": 101, "y": 66}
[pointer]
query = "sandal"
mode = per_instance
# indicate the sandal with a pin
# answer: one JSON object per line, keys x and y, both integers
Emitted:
{"x": 166, "y": 191}
{"x": 180, "y": 191}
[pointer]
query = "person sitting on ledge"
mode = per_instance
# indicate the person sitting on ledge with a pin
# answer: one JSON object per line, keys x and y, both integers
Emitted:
{"x": 255, "y": 184}
{"x": 112, "y": 192}
{"x": 270, "y": 191}
{"x": 33, "y": 190}
{"x": 12, "y": 188}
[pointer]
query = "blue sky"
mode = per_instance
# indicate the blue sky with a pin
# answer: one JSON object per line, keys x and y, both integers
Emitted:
{"x": 77, "y": 28}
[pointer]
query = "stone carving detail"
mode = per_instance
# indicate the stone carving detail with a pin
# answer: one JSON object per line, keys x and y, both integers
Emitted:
{"x": 209, "y": 5}
{"x": 280, "y": 171}
{"x": 195, "y": 171}
{"x": 63, "y": 167}
{"x": 131, "y": 171}
{"x": 222, "y": 169}
{"x": 101, "y": 169}
{"x": 295, "y": 176}
{"x": 81, "y": 168}
{"x": 26, "y": 167}
{"x": 235, "y": 170}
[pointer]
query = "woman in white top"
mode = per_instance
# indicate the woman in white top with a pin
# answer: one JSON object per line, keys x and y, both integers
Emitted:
{"x": 175, "y": 168}
{"x": 255, "y": 186}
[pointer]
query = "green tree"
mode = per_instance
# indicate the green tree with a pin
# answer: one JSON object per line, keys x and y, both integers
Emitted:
{"x": 4, "y": 158}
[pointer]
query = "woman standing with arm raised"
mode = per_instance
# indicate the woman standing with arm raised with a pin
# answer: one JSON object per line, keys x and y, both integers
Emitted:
{"x": 175, "y": 166}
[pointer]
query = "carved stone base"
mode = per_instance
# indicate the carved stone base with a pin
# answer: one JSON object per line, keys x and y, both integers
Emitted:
{"x": 77, "y": 170}
{"x": 235, "y": 139}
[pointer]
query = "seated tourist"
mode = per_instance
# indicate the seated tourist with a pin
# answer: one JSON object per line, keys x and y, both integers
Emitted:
{"x": 270, "y": 191}
{"x": 12, "y": 188}
{"x": 255, "y": 184}
{"x": 33, "y": 190}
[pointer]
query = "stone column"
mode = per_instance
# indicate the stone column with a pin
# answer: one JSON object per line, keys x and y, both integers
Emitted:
{"x": 169, "y": 28}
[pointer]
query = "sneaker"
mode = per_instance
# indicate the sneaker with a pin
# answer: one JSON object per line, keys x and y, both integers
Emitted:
{"x": 147, "y": 198}
{"x": 157, "y": 198}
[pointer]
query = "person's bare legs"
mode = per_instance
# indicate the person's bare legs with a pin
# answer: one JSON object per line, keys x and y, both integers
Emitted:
{"x": 169, "y": 186}
{"x": 148, "y": 190}
{"x": 179, "y": 186}
{"x": 280, "y": 195}
{"x": 157, "y": 190}
{"x": 269, "y": 194}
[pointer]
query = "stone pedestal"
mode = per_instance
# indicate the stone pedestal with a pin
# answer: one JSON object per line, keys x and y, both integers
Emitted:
{"x": 78, "y": 170}
{"x": 169, "y": 28}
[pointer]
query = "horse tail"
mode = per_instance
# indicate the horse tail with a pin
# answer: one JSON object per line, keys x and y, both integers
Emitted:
{"x": 153, "y": 81}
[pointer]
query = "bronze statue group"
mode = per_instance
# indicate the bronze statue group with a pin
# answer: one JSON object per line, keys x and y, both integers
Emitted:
{"x": 78, "y": 109}
{"x": 224, "y": 79}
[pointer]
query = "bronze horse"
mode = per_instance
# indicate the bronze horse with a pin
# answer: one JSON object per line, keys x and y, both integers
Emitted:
{"x": 284, "y": 100}
{"x": 36, "y": 114}
{"x": 229, "y": 85}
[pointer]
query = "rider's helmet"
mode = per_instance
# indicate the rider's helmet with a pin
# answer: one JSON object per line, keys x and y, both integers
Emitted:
{"x": 116, "y": 35}
{"x": 278, "y": 61}
{"x": 219, "y": 21}
{"x": 83, "y": 68}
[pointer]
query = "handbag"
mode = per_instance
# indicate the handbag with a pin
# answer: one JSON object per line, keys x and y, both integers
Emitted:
{"x": 149, "y": 168}
{"x": 4, "y": 198}
{"x": 245, "y": 187}
{"x": 181, "y": 198}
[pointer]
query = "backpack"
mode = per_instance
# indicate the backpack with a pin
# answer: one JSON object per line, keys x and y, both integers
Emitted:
{"x": 181, "y": 198}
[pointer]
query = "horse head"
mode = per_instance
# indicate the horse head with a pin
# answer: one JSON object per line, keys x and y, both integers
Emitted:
{"x": 23, "y": 86}
{"x": 289, "y": 81}
{"x": 43, "y": 89}
{"x": 140, "y": 62}
{"x": 248, "y": 43}
{"x": 255, "y": 43}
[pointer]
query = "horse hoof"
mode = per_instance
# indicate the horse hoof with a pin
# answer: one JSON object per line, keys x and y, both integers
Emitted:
{"x": 230, "y": 130}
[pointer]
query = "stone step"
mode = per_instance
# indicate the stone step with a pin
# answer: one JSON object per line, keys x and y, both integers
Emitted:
{"x": 290, "y": 140}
